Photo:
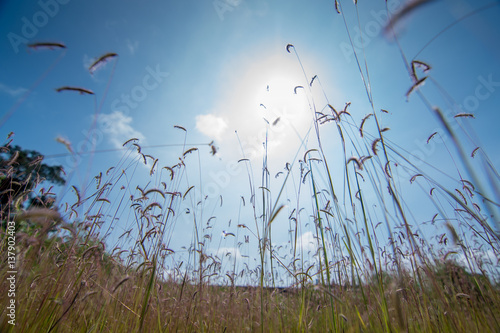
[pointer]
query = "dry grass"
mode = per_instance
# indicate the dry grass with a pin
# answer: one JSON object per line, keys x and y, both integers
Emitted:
{"x": 374, "y": 269}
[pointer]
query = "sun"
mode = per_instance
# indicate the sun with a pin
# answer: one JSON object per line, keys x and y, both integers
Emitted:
{"x": 261, "y": 104}
{"x": 275, "y": 108}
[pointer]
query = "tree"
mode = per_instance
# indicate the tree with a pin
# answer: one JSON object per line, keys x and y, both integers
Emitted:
{"x": 20, "y": 172}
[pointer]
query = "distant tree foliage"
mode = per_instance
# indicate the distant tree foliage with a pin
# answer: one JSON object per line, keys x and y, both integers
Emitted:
{"x": 21, "y": 170}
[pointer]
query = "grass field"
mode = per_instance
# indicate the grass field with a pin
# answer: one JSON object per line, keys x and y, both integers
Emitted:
{"x": 374, "y": 267}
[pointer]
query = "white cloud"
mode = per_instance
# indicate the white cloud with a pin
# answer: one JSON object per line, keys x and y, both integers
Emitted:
{"x": 486, "y": 258}
{"x": 211, "y": 125}
{"x": 14, "y": 92}
{"x": 307, "y": 242}
{"x": 230, "y": 252}
{"x": 118, "y": 127}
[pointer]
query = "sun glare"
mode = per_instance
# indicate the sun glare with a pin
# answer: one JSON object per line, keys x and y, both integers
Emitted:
{"x": 263, "y": 101}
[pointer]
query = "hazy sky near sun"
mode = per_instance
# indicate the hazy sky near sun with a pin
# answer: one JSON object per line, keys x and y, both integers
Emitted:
{"x": 221, "y": 70}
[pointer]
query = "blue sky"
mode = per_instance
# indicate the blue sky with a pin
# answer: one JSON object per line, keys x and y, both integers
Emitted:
{"x": 207, "y": 66}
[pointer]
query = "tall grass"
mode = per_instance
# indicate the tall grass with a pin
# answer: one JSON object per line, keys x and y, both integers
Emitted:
{"x": 105, "y": 262}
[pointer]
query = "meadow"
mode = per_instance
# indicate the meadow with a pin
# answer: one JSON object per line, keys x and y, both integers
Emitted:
{"x": 105, "y": 262}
